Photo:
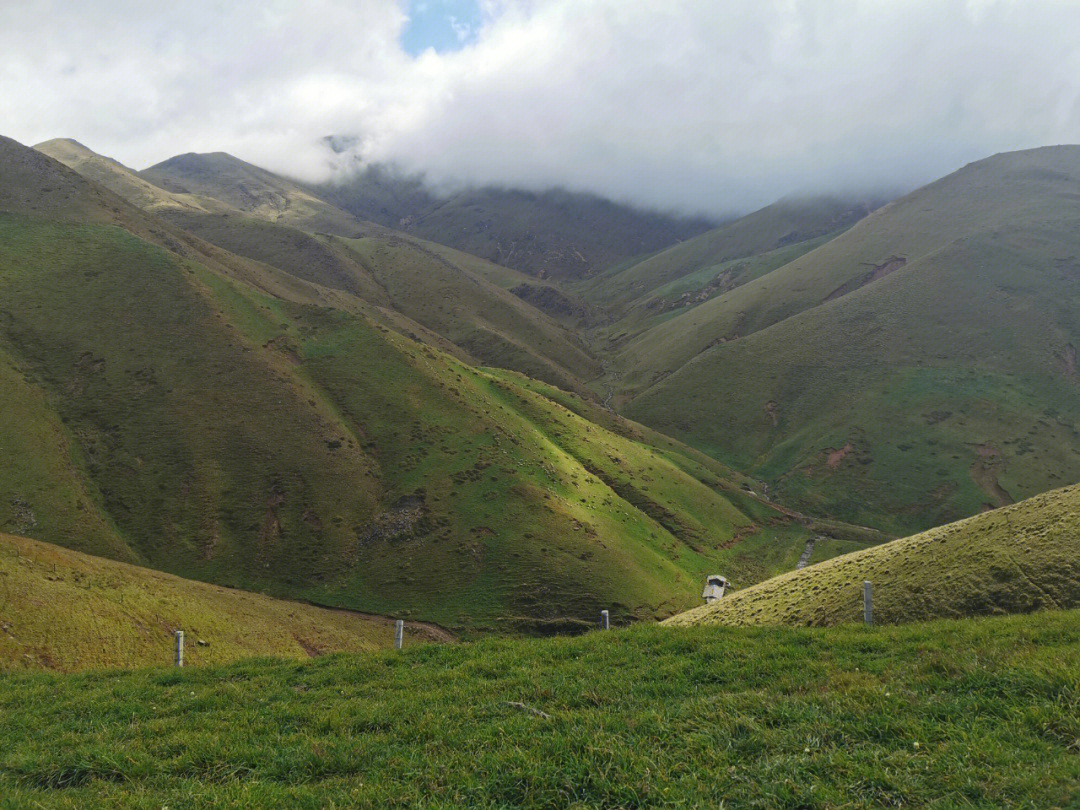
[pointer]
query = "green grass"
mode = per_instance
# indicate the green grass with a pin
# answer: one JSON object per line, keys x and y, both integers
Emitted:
{"x": 42, "y": 490}
{"x": 448, "y": 296}
{"x": 67, "y": 611}
{"x": 225, "y": 421}
{"x": 256, "y": 215}
{"x": 554, "y": 234}
{"x": 178, "y": 412}
{"x": 124, "y": 182}
{"x": 252, "y": 190}
{"x": 455, "y": 299}
{"x": 1016, "y": 559}
{"x": 950, "y": 714}
{"x": 177, "y": 423}
{"x": 777, "y": 226}
{"x": 949, "y": 379}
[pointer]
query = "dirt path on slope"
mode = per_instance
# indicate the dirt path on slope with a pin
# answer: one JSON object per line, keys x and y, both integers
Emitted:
{"x": 614, "y": 375}
{"x": 804, "y": 560}
{"x": 608, "y": 374}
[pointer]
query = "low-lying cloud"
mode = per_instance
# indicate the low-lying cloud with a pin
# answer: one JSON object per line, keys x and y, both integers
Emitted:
{"x": 699, "y": 105}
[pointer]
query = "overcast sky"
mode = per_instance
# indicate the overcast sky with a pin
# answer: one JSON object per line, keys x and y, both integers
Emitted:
{"x": 704, "y": 105}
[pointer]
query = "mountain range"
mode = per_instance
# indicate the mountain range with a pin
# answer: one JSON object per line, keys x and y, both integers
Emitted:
{"x": 296, "y": 418}
{"x": 369, "y": 395}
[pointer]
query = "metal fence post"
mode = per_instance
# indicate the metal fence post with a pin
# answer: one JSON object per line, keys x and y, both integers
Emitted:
{"x": 399, "y": 633}
{"x": 605, "y": 620}
{"x": 179, "y": 647}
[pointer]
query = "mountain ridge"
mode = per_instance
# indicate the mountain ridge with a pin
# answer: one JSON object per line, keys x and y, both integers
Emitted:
{"x": 244, "y": 426}
{"x": 937, "y": 327}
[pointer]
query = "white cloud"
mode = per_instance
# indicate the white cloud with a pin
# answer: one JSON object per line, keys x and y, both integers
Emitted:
{"x": 699, "y": 104}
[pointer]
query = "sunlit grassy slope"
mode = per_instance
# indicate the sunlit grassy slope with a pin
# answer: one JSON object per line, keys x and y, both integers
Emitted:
{"x": 125, "y": 182}
{"x": 909, "y": 372}
{"x": 253, "y": 191}
{"x": 1019, "y": 558}
{"x": 973, "y": 713}
{"x": 60, "y": 609}
{"x": 224, "y": 423}
{"x": 465, "y": 300}
{"x": 446, "y": 294}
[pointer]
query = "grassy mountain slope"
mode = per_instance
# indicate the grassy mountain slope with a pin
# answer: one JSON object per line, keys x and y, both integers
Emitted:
{"x": 253, "y": 191}
{"x": 907, "y": 391}
{"x": 42, "y": 489}
{"x": 447, "y": 295}
{"x": 454, "y": 295}
{"x": 124, "y": 181}
{"x": 551, "y": 234}
{"x": 1021, "y": 558}
{"x": 494, "y": 325}
{"x": 974, "y": 713}
{"x": 782, "y": 224}
{"x": 60, "y": 609}
{"x": 224, "y": 423}
{"x": 1033, "y": 188}
{"x": 646, "y": 305}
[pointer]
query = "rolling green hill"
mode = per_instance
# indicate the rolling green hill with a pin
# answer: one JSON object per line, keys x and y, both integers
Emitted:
{"x": 556, "y": 234}
{"x": 974, "y": 713}
{"x": 553, "y": 234}
{"x": 124, "y": 182}
{"x": 911, "y": 371}
{"x": 637, "y": 303}
{"x": 1017, "y": 559}
{"x": 63, "y": 610}
{"x": 464, "y": 300}
{"x": 697, "y": 261}
{"x": 447, "y": 294}
{"x": 252, "y": 191}
{"x": 200, "y": 413}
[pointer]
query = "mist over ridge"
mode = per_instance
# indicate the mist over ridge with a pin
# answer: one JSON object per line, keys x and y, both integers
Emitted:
{"x": 693, "y": 106}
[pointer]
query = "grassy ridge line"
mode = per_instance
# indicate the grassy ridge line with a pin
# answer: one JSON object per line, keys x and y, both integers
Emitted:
{"x": 659, "y": 333}
{"x": 905, "y": 374}
{"x": 552, "y": 234}
{"x": 1031, "y": 187}
{"x": 252, "y": 190}
{"x": 123, "y": 181}
{"x": 490, "y": 323}
{"x": 253, "y": 429}
{"x": 60, "y": 609}
{"x": 498, "y": 328}
{"x": 1019, "y": 558}
{"x": 973, "y": 713}
{"x": 783, "y": 223}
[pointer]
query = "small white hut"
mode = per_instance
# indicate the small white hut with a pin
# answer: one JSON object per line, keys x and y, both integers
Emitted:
{"x": 714, "y": 588}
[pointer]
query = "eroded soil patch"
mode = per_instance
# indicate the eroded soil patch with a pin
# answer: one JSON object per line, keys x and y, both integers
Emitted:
{"x": 876, "y": 272}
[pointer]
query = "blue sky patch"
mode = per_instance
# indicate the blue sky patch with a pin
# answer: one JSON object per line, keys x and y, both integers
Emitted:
{"x": 445, "y": 25}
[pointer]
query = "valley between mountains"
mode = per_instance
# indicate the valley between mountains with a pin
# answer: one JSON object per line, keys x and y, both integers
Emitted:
{"x": 503, "y": 411}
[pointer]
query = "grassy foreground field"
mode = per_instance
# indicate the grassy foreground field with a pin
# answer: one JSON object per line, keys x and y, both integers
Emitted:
{"x": 60, "y": 609}
{"x": 973, "y": 713}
